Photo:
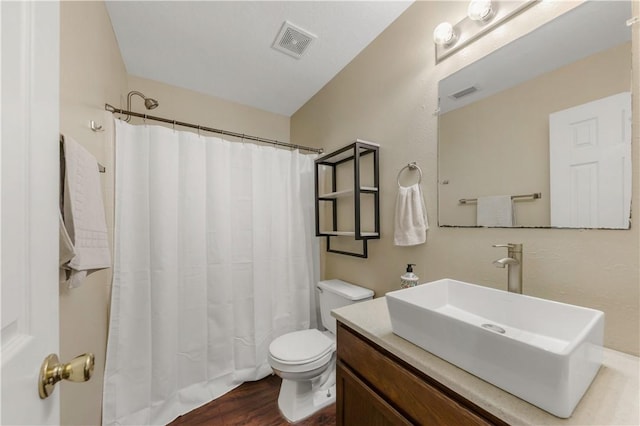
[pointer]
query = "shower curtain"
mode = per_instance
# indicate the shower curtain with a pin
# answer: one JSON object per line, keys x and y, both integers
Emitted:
{"x": 215, "y": 256}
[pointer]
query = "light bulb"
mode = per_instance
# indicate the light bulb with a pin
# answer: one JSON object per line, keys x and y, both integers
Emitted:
{"x": 480, "y": 10}
{"x": 444, "y": 35}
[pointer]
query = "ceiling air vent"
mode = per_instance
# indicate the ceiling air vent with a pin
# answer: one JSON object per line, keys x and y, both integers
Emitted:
{"x": 464, "y": 92}
{"x": 293, "y": 40}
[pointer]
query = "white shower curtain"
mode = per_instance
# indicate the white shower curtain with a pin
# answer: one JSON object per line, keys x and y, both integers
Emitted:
{"x": 215, "y": 256}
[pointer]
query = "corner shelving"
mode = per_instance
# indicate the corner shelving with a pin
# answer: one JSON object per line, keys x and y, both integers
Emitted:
{"x": 350, "y": 154}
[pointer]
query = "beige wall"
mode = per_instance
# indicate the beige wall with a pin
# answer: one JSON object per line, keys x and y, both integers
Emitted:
{"x": 507, "y": 134}
{"x": 196, "y": 108}
{"x": 388, "y": 94}
{"x": 92, "y": 73}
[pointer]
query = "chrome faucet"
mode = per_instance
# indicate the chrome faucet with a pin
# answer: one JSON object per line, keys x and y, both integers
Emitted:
{"x": 514, "y": 263}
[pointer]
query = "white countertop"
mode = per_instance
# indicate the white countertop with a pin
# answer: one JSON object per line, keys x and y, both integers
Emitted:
{"x": 612, "y": 399}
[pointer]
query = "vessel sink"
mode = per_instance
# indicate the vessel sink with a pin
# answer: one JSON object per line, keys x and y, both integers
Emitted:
{"x": 544, "y": 352}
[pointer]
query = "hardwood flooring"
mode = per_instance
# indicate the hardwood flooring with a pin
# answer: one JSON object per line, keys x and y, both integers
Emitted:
{"x": 251, "y": 404}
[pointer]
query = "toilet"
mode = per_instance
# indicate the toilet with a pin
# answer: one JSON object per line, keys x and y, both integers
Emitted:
{"x": 306, "y": 359}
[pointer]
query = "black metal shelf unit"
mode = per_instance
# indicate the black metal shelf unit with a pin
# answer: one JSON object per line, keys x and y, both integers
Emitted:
{"x": 350, "y": 153}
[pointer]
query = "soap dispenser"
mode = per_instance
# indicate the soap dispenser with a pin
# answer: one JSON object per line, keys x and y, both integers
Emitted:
{"x": 409, "y": 279}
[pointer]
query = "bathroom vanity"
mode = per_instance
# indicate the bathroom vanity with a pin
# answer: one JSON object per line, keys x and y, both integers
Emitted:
{"x": 376, "y": 387}
{"x": 384, "y": 379}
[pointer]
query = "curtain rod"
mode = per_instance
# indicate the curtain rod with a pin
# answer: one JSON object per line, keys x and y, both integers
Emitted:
{"x": 113, "y": 109}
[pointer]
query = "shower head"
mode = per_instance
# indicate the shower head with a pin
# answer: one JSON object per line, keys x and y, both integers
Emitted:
{"x": 149, "y": 103}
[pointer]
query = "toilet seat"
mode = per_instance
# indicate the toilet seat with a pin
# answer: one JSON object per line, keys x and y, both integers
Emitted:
{"x": 302, "y": 350}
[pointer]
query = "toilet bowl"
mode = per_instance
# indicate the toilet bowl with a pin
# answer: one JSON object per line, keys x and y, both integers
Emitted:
{"x": 305, "y": 359}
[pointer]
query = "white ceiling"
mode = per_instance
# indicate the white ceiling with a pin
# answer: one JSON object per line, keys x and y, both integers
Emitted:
{"x": 223, "y": 48}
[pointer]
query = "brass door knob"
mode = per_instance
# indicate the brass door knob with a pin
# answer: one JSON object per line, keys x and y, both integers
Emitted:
{"x": 52, "y": 371}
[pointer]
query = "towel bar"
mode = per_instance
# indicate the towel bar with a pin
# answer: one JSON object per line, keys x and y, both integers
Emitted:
{"x": 101, "y": 168}
{"x": 533, "y": 196}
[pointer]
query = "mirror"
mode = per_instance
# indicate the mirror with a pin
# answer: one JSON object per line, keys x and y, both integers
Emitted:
{"x": 538, "y": 133}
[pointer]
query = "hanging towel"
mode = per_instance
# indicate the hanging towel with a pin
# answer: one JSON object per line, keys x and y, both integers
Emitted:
{"x": 411, "y": 217}
{"x": 495, "y": 211}
{"x": 84, "y": 218}
{"x": 65, "y": 252}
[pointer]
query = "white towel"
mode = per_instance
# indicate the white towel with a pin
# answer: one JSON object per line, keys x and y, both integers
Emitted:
{"x": 65, "y": 252}
{"x": 84, "y": 217}
{"x": 411, "y": 217}
{"x": 495, "y": 211}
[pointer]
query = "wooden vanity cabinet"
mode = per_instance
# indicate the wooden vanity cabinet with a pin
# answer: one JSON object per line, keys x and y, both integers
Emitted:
{"x": 374, "y": 387}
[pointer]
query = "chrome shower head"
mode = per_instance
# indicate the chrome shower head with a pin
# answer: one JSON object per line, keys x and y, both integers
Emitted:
{"x": 149, "y": 103}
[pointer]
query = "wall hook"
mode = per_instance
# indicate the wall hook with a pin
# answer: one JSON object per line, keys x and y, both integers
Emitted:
{"x": 95, "y": 127}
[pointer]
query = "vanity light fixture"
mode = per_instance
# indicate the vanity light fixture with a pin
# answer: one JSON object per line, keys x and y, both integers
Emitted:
{"x": 482, "y": 17}
{"x": 480, "y": 10}
{"x": 444, "y": 34}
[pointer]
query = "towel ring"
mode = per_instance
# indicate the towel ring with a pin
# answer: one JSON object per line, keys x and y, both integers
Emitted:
{"x": 411, "y": 166}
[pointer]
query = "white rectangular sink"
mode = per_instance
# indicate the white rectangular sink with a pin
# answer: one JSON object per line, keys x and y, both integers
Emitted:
{"x": 544, "y": 352}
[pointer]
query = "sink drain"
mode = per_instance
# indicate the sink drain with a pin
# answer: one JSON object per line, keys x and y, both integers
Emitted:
{"x": 494, "y": 327}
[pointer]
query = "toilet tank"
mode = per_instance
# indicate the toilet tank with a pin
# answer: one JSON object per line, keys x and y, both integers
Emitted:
{"x": 335, "y": 294}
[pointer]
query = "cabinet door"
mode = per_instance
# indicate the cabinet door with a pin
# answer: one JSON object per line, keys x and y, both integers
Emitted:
{"x": 420, "y": 398}
{"x": 359, "y": 405}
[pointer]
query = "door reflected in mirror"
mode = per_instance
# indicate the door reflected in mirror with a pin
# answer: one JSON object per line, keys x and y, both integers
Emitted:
{"x": 496, "y": 142}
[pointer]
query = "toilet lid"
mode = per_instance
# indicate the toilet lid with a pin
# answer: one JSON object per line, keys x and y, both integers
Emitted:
{"x": 301, "y": 346}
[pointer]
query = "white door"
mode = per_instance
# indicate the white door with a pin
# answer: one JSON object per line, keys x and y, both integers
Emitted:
{"x": 29, "y": 183}
{"x": 590, "y": 164}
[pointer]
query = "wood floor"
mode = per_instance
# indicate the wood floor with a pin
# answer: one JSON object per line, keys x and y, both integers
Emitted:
{"x": 251, "y": 404}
